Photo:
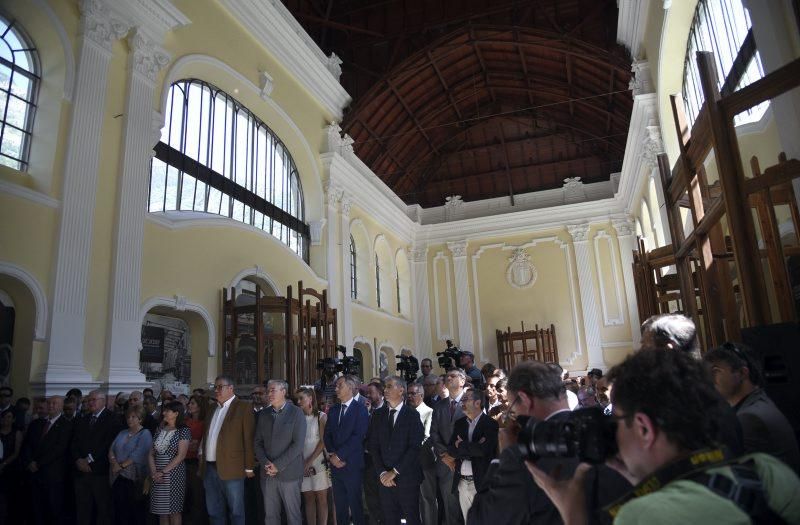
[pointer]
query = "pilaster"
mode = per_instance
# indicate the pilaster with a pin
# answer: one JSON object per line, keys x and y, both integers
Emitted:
{"x": 591, "y": 317}
{"x": 65, "y": 366}
{"x": 145, "y": 61}
{"x": 347, "y": 306}
{"x": 463, "y": 309}
{"x": 626, "y": 236}
{"x": 418, "y": 255}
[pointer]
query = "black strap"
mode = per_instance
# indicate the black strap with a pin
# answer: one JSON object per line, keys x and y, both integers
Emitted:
{"x": 745, "y": 490}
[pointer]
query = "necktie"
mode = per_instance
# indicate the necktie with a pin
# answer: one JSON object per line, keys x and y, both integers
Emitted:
{"x": 392, "y": 412}
{"x": 92, "y": 420}
{"x": 46, "y": 426}
{"x": 341, "y": 412}
{"x": 452, "y": 407}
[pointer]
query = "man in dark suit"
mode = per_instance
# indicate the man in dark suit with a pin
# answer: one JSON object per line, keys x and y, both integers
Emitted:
{"x": 395, "y": 441}
{"x": 509, "y": 494}
{"x": 279, "y": 441}
{"x": 446, "y": 412}
{"x": 91, "y": 440}
{"x": 474, "y": 445}
{"x": 45, "y": 451}
{"x": 344, "y": 441}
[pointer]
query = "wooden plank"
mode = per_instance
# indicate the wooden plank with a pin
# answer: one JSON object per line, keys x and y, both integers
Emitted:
{"x": 776, "y": 83}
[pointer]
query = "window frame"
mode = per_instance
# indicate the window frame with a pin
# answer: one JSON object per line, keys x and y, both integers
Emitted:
{"x": 377, "y": 279}
{"x": 353, "y": 270}
{"x": 31, "y": 100}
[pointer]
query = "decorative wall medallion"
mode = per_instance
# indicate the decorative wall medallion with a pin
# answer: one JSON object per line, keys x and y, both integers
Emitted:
{"x": 521, "y": 273}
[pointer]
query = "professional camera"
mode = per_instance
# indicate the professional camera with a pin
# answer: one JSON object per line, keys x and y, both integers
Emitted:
{"x": 347, "y": 365}
{"x": 409, "y": 365}
{"x": 587, "y": 434}
{"x": 450, "y": 357}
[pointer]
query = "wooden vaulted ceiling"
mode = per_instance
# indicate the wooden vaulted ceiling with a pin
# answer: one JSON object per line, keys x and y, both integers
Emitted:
{"x": 478, "y": 98}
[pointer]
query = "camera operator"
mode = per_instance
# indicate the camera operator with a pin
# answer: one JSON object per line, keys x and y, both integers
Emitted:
{"x": 666, "y": 444}
{"x": 327, "y": 381}
{"x": 509, "y": 494}
{"x": 425, "y": 366}
{"x": 466, "y": 361}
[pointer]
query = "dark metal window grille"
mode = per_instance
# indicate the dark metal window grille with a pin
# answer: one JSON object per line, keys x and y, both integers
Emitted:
{"x": 723, "y": 27}
{"x": 397, "y": 289}
{"x": 353, "y": 270}
{"x": 19, "y": 88}
{"x": 216, "y": 157}
{"x": 378, "y": 280}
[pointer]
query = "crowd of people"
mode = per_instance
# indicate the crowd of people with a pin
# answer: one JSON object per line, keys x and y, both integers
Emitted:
{"x": 698, "y": 441}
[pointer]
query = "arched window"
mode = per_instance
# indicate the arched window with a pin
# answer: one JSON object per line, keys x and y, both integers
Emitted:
{"x": 19, "y": 85}
{"x": 216, "y": 157}
{"x": 378, "y": 279}
{"x": 353, "y": 270}
{"x": 723, "y": 27}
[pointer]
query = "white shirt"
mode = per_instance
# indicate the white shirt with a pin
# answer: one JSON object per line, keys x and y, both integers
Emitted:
{"x": 572, "y": 399}
{"x": 466, "y": 465}
{"x": 214, "y": 428}
{"x": 53, "y": 421}
{"x": 425, "y": 415}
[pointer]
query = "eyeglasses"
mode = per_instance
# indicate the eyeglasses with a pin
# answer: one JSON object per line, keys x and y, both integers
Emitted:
{"x": 414, "y": 394}
{"x": 220, "y": 387}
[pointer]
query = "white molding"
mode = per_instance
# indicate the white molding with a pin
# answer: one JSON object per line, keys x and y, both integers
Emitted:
{"x": 22, "y": 192}
{"x": 6, "y": 299}
{"x": 39, "y": 297}
{"x": 607, "y": 319}
{"x": 256, "y": 271}
{"x": 175, "y": 72}
{"x": 617, "y": 344}
{"x": 274, "y": 27}
{"x": 635, "y": 169}
{"x": 181, "y": 304}
{"x": 384, "y": 313}
{"x": 153, "y": 17}
{"x": 180, "y": 220}
{"x": 588, "y": 294}
{"x": 69, "y": 57}
{"x": 458, "y": 249}
{"x": 439, "y": 335}
{"x": 475, "y": 285}
{"x": 631, "y": 25}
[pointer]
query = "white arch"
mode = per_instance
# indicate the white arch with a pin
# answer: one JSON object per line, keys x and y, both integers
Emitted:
{"x": 39, "y": 297}
{"x": 364, "y": 341}
{"x": 365, "y": 262}
{"x": 256, "y": 271}
{"x": 69, "y": 58}
{"x": 180, "y": 304}
{"x": 175, "y": 73}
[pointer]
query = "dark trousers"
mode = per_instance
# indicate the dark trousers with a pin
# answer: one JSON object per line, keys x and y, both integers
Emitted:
{"x": 47, "y": 500}
{"x": 427, "y": 498}
{"x": 92, "y": 498}
{"x": 347, "y": 497}
{"x": 194, "y": 508}
{"x": 253, "y": 501}
{"x": 451, "y": 507}
{"x": 129, "y": 504}
{"x": 371, "y": 493}
{"x": 400, "y": 502}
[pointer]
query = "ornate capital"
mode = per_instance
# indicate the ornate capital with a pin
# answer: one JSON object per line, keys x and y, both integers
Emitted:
{"x": 418, "y": 254}
{"x": 624, "y": 227}
{"x": 99, "y": 25}
{"x": 458, "y": 248}
{"x": 333, "y": 193}
{"x": 641, "y": 82}
{"x": 180, "y": 303}
{"x": 652, "y": 146}
{"x": 346, "y": 204}
{"x": 334, "y": 65}
{"x": 148, "y": 59}
{"x": 336, "y": 142}
{"x": 578, "y": 232}
{"x": 266, "y": 83}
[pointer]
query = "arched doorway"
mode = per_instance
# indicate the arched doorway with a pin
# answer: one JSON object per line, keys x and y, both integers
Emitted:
{"x": 23, "y": 320}
{"x": 364, "y": 350}
{"x": 166, "y": 356}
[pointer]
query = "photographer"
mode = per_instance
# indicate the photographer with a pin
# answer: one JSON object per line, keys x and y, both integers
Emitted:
{"x": 466, "y": 361}
{"x": 509, "y": 494}
{"x": 666, "y": 445}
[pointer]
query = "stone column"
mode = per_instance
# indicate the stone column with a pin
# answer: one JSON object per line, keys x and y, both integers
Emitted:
{"x": 141, "y": 133}
{"x": 626, "y": 236}
{"x": 346, "y": 319}
{"x": 463, "y": 309}
{"x": 772, "y": 23}
{"x": 420, "y": 301}
{"x": 591, "y": 317}
{"x": 65, "y": 365}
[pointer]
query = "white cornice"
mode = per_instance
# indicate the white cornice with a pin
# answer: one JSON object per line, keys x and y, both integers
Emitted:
{"x": 280, "y": 34}
{"x": 26, "y": 193}
{"x": 153, "y": 18}
{"x": 631, "y": 24}
{"x": 381, "y": 312}
{"x": 634, "y": 165}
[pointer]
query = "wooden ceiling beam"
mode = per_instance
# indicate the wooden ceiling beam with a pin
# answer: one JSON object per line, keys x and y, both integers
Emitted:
{"x": 412, "y": 116}
{"x": 316, "y": 20}
{"x": 379, "y": 141}
{"x": 506, "y": 163}
{"x": 568, "y": 63}
{"x": 444, "y": 86}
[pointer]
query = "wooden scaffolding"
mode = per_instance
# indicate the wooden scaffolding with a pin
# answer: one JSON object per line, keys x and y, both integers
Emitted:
{"x": 514, "y": 347}
{"x": 725, "y": 281}
{"x": 277, "y": 337}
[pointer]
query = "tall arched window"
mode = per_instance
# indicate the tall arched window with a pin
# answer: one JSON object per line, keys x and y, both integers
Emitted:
{"x": 378, "y": 279}
{"x": 19, "y": 86}
{"x": 723, "y": 27}
{"x": 353, "y": 270}
{"x": 216, "y": 157}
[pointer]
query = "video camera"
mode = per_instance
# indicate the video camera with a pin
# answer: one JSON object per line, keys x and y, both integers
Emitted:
{"x": 332, "y": 365}
{"x": 450, "y": 357}
{"x": 587, "y": 434}
{"x": 409, "y": 365}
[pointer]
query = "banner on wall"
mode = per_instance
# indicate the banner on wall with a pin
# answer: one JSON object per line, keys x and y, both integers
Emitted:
{"x": 152, "y": 344}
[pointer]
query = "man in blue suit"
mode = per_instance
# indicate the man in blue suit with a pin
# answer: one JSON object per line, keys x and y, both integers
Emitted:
{"x": 395, "y": 440}
{"x": 344, "y": 441}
